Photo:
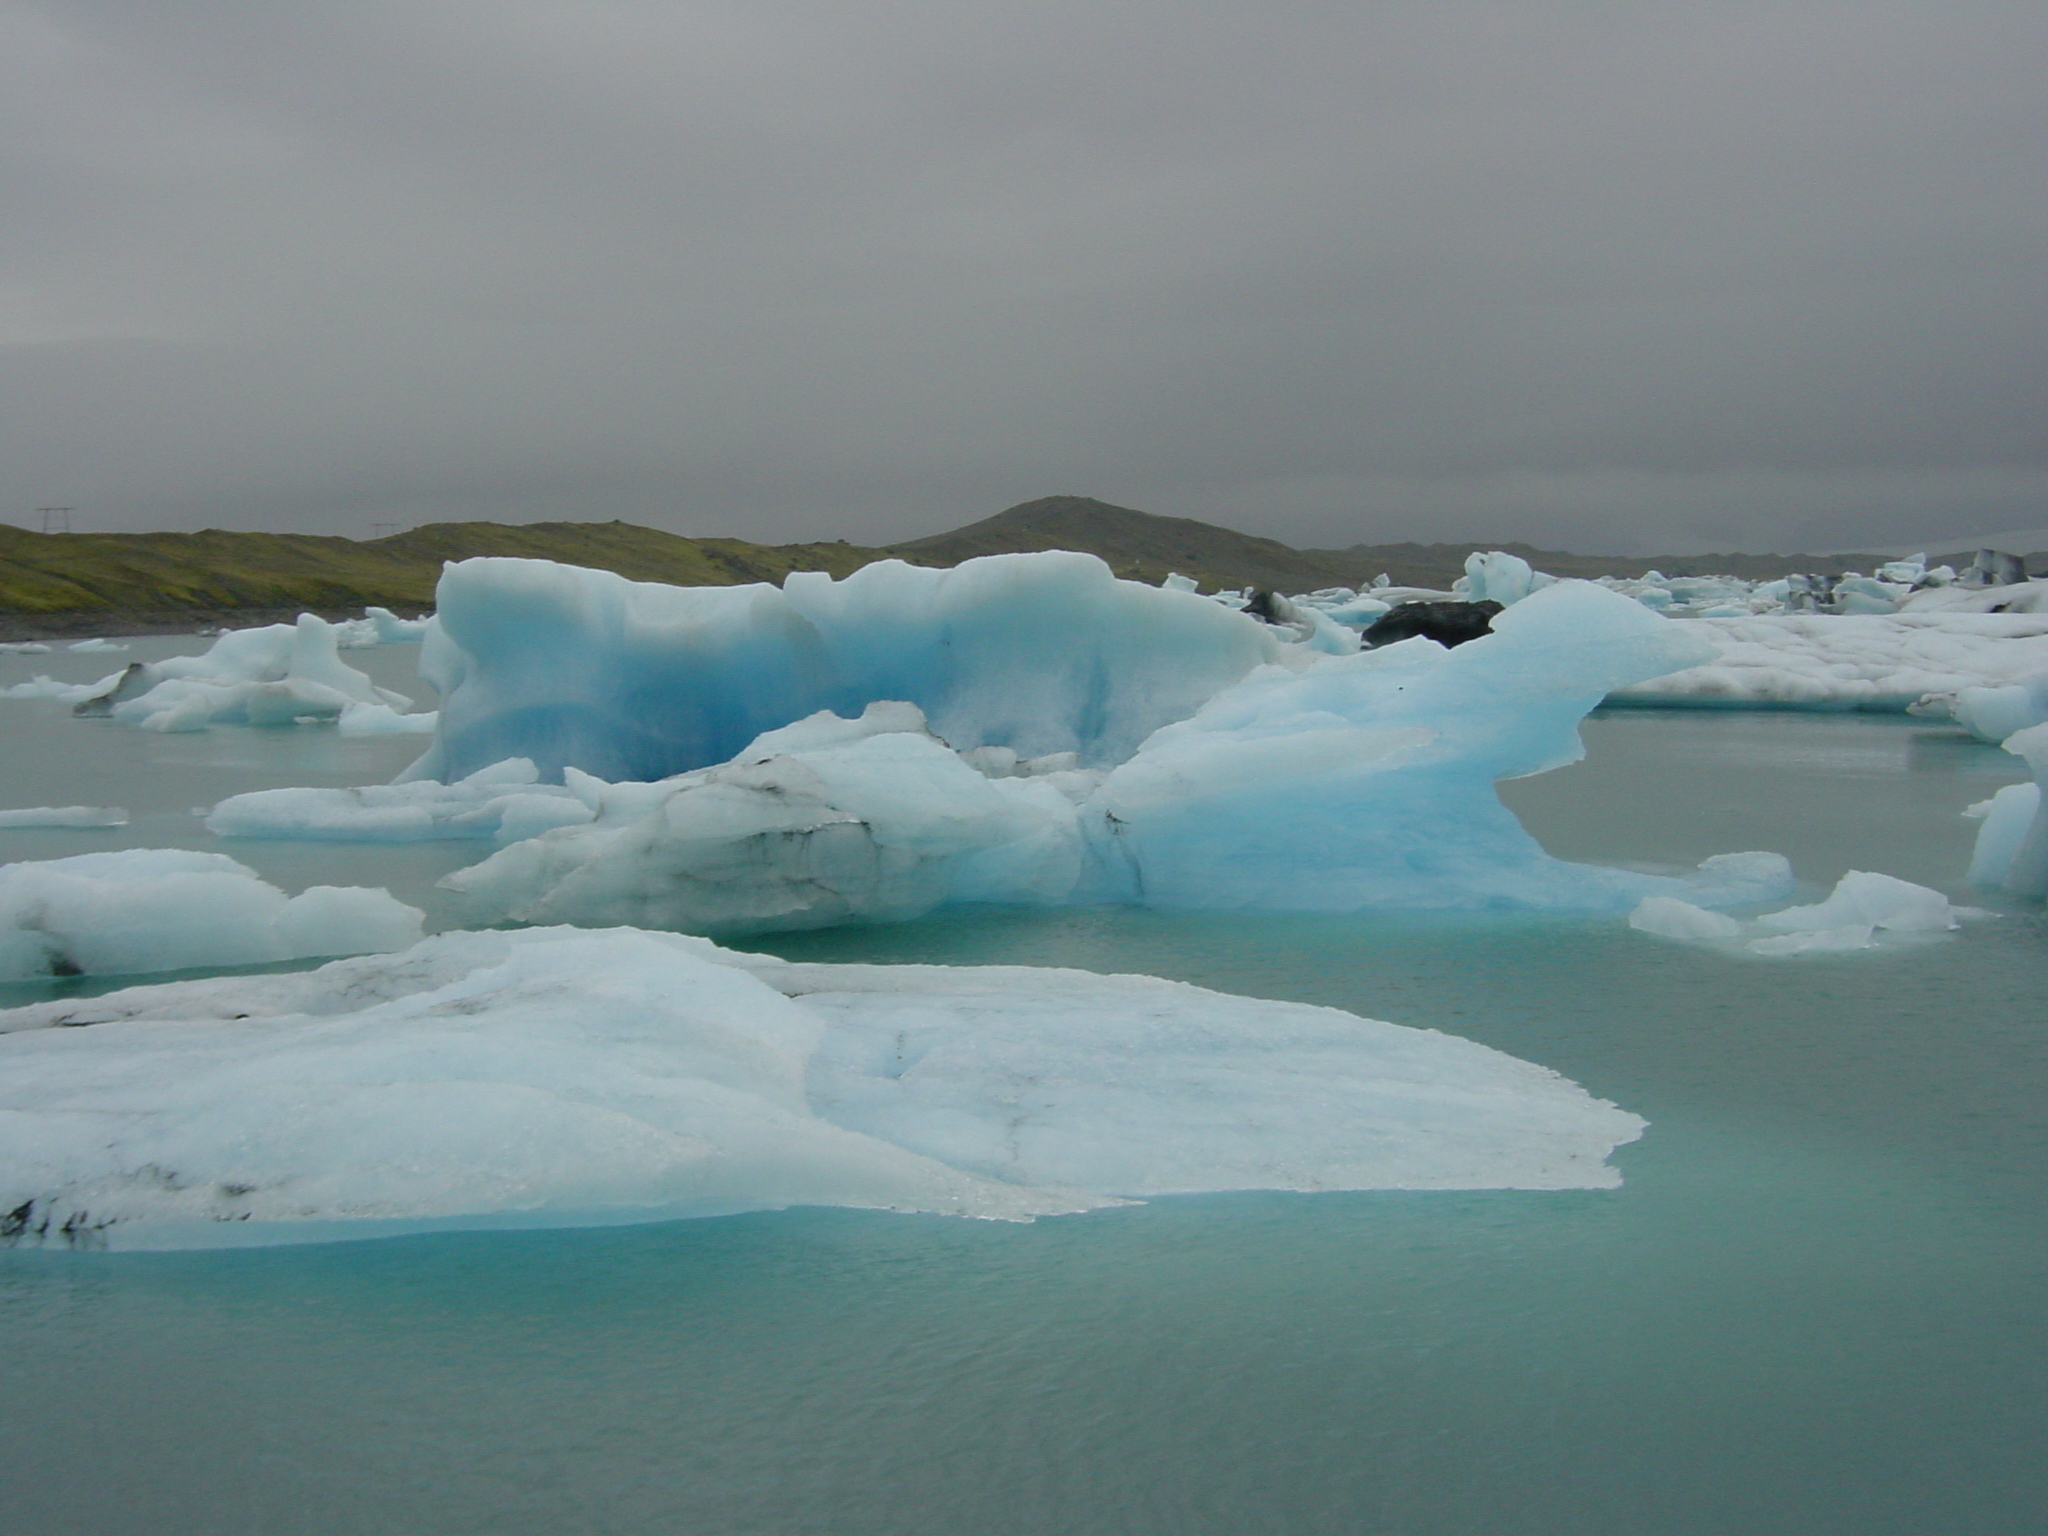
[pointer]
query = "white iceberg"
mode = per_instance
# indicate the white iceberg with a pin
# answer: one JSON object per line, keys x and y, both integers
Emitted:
{"x": 1866, "y": 900}
{"x": 275, "y": 675}
{"x": 1993, "y": 713}
{"x": 2012, "y": 846}
{"x": 379, "y": 626}
{"x": 43, "y": 686}
{"x": 558, "y": 1077}
{"x": 825, "y": 821}
{"x": 1669, "y": 918}
{"x": 383, "y": 720}
{"x": 1861, "y": 904}
{"x": 506, "y": 800}
{"x": 139, "y": 910}
{"x": 65, "y": 816}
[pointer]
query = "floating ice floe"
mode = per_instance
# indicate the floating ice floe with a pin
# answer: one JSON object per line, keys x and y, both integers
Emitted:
{"x": 276, "y": 675}
{"x": 1992, "y": 713}
{"x": 561, "y": 1077}
{"x": 2011, "y": 854}
{"x": 43, "y": 686}
{"x": 1833, "y": 661}
{"x": 95, "y": 644}
{"x": 383, "y": 720}
{"x": 379, "y": 626}
{"x": 23, "y": 648}
{"x": 506, "y": 800}
{"x": 139, "y": 910}
{"x": 65, "y": 816}
{"x": 1861, "y": 905}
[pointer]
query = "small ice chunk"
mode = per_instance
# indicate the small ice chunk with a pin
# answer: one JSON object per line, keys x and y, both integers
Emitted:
{"x": 65, "y": 816}
{"x": 1817, "y": 941}
{"x": 359, "y": 719}
{"x": 163, "y": 909}
{"x": 1740, "y": 879}
{"x": 1862, "y": 899}
{"x": 42, "y": 686}
{"x": 94, "y": 645}
{"x": 23, "y": 648}
{"x": 501, "y": 801}
{"x": 1669, "y": 918}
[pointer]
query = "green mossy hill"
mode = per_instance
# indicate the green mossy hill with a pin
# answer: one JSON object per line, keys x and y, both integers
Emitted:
{"x": 1140, "y": 546}
{"x": 1145, "y": 547}
{"x": 46, "y": 575}
{"x": 84, "y": 583}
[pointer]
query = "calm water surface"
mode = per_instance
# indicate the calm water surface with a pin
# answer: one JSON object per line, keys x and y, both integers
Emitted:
{"x": 1814, "y": 1307}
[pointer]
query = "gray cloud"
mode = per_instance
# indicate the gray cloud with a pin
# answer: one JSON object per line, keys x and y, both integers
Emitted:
{"x": 1613, "y": 275}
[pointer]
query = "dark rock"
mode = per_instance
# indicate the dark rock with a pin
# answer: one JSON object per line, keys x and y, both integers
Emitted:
{"x": 1447, "y": 623}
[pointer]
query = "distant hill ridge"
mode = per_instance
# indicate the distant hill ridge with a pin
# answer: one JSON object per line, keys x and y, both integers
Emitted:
{"x": 79, "y": 583}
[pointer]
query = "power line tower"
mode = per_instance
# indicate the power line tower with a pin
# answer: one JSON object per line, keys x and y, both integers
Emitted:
{"x": 56, "y": 519}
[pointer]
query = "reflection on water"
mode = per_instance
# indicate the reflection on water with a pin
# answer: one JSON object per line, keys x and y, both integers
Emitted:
{"x": 1813, "y": 1307}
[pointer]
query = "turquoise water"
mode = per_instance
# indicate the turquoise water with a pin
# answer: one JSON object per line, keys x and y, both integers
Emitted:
{"x": 1815, "y": 1306}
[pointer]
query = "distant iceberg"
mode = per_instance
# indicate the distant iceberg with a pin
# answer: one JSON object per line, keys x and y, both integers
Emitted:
{"x": 275, "y": 675}
{"x": 560, "y": 1077}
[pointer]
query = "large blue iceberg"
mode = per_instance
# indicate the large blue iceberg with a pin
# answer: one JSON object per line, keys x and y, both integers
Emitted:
{"x": 1024, "y": 728}
{"x": 632, "y": 680}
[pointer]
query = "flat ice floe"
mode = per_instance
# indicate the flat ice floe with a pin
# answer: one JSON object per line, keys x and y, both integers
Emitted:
{"x": 1862, "y": 906}
{"x": 1849, "y": 661}
{"x": 138, "y": 910}
{"x": 557, "y": 1077}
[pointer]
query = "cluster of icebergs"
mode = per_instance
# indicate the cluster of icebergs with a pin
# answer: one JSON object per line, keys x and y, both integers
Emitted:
{"x": 653, "y": 762}
{"x": 279, "y": 674}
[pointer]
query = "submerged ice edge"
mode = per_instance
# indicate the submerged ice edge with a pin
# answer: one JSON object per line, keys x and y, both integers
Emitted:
{"x": 561, "y": 1076}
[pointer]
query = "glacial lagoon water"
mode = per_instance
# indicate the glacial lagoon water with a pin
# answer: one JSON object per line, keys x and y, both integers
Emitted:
{"x": 1815, "y": 1306}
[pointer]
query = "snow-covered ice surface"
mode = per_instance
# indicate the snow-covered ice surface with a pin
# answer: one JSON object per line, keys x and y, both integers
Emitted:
{"x": 561, "y": 1077}
{"x": 1039, "y": 653}
{"x": 138, "y": 910}
{"x": 1849, "y": 661}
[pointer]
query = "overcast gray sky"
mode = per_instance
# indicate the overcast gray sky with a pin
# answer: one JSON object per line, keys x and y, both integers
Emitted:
{"x": 1614, "y": 276}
